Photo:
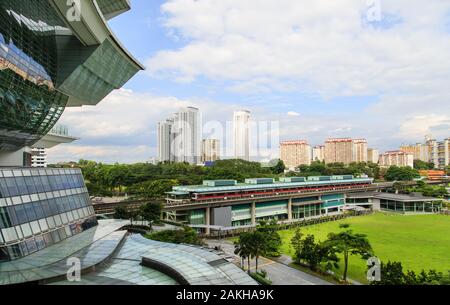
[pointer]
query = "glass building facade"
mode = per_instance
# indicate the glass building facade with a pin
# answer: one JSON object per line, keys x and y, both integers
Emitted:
{"x": 47, "y": 65}
{"x": 40, "y": 207}
{"x": 30, "y": 105}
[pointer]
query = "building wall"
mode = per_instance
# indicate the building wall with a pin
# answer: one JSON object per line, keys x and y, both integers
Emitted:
{"x": 241, "y": 132}
{"x": 373, "y": 155}
{"x": 41, "y": 207}
{"x": 165, "y": 138}
{"x": 360, "y": 150}
{"x": 187, "y": 133}
{"x": 339, "y": 150}
{"x": 318, "y": 153}
{"x": 396, "y": 158}
{"x": 39, "y": 157}
{"x": 210, "y": 150}
{"x": 420, "y": 151}
{"x": 295, "y": 153}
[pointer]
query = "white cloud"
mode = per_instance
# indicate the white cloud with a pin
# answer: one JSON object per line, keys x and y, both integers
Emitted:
{"x": 320, "y": 47}
{"x": 293, "y": 113}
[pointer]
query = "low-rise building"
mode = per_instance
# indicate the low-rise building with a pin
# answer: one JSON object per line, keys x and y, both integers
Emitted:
{"x": 226, "y": 203}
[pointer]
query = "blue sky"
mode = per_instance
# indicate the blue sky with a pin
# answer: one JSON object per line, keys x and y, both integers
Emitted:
{"x": 320, "y": 69}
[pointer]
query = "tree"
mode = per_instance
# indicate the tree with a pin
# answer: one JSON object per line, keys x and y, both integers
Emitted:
{"x": 258, "y": 246}
{"x": 297, "y": 245}
{"x": 422, "y": 165}
{"x": 133, "y": 216}
{"x": 312, "y": 253}
{"x": 120, "y": 213}
{"x": 395, "y": 173}
{"x": 391, "y": 274}
{"x": 273, "y": 238}
{"x": 151, "y": 212}
{"x": 349, "y": 243}
{"x": 242, "y": 248}
{"x": 279, "y": 168}
{"x": 152, "y": 190}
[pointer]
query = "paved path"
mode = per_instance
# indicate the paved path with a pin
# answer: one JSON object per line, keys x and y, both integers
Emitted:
{"x": 278, "y": 272}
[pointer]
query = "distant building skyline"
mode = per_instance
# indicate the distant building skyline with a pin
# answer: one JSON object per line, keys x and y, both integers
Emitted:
{"x": 180, "y": 136}
{"x": 241, "y": 134}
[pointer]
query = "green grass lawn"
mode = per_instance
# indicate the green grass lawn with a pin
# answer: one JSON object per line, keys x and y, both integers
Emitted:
{"x": 417, "y": 241}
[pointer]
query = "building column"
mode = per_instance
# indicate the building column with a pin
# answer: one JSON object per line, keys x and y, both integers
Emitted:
{"x": 290, "y": 209}
{"x": 253, "y": 212}
{"x": 208, "y": 220}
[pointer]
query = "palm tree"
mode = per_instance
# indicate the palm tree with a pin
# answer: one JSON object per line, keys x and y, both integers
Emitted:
{"x": 242, "y": 248}
{"x": 258, "y": 246}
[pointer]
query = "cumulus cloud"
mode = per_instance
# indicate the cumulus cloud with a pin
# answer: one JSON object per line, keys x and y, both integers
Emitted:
{"x": 321, "y": 47}
{"x": 314, "y": 48}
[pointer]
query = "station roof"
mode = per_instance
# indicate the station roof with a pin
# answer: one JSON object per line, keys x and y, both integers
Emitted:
{"x": 246, "y": 186}
{"x": 404, "y": 197}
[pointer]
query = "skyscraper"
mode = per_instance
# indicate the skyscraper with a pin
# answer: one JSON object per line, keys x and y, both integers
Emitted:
{"x": 241, "y": 122}
{"x": 187, "y": 135}
{"x": 165, "y": 138}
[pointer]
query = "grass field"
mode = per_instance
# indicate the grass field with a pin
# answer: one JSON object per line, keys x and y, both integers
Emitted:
{"x": 417, "y": 241}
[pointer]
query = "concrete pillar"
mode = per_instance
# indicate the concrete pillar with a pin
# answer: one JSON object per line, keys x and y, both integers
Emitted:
{"x": 290, "y": 209}
{"x": 253, "y": 212}
{"x": 208, "y": 220}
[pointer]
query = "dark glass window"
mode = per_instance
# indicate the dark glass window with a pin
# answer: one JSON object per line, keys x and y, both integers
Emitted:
{"x": 30, "y": 212}
{"x": 21, "y": 186}
{"x": 21, "y": 213}
{"x": 29, "y": 181}
{"x": 5, "y": 222}
{"x": 12, "y": 187}
{"x": 38, "y": 210}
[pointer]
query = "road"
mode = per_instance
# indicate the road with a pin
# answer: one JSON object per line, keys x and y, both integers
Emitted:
{"x": 278, "y": 273}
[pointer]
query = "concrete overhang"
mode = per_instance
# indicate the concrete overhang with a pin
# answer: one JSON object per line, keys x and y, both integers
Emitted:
{"x": 113, "y": 8}
{"x": 91, "y": 28}
{"x": 51, "y": 140}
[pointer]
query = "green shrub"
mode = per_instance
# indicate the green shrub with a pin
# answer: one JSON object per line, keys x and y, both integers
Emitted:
{"x": 260, "y": 279}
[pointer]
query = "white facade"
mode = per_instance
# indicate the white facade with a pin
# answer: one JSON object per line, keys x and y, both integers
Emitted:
{"x": 318, "y": 153}
{"x": 187, "y": 133}
{"x": 241, "y": 128}
{"x": 165, "y": 141}
{"x": 39, "y": 157}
